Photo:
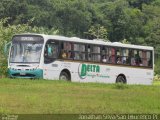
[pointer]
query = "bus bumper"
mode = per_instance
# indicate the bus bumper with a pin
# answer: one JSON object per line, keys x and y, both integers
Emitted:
{"x": 34, "y": 73}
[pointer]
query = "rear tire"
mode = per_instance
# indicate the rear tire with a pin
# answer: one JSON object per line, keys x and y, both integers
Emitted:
{"x": 64, "y": 76}
{"x": 121, "y": 79}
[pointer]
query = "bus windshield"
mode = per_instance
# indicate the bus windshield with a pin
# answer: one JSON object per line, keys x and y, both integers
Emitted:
{"x": 23, "y": 51}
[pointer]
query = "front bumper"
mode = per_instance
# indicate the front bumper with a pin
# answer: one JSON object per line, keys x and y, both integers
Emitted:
{"x": 29, "y": 73}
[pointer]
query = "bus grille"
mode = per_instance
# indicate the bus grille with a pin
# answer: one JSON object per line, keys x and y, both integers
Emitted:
{"x": 26, "y": 75}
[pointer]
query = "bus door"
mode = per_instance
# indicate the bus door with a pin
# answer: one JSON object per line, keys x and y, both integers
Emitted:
{"x": 51, "y": 53}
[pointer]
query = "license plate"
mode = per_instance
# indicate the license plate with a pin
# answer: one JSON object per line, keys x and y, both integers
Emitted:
{"x": 22, "y": 73}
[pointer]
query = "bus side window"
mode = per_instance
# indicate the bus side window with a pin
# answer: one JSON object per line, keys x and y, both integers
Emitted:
{"x": 66, "y": 50}
{"x": 95, "y": 53}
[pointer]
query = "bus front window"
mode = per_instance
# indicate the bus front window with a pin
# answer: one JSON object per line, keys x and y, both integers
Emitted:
{"x": 25, "y": 51}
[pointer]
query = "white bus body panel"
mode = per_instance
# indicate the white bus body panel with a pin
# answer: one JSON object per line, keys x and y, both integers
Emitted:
{"x": 106, "y": 74}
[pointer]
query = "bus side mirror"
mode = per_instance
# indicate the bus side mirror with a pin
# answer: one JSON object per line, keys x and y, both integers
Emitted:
{"x": 6, "y": 49}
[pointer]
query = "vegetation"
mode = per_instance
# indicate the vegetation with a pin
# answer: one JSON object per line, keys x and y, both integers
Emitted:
{"x": 46, "y": 97}
{"x": 134, "y": 21}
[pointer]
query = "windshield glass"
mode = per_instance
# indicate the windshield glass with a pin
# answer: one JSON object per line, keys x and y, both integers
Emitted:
{"x": 25, "y": 51}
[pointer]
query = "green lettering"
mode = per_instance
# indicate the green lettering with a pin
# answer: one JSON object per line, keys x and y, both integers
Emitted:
{"x": 83, "y": 70}
{"x": 91, "y": 68}
{"x": 94, "y": 68}
{"x": 97, "y": 68}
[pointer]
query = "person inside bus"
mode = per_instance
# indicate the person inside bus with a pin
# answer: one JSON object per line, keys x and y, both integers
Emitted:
{"x": 124, "y": 56}
{"x": 119, "y": 60}
{"x": 132, "y": 58}
{"x": 138, "y": 59}
{"x": 124, "y": 59}
{"x": 112, "y": 55}
{"x": 104, "y": 59}
{"x": 133, "y": 61}
{"x": 71, "y": 55}
{"x": 64, "y": 54}
{"x": 140, "y": 63}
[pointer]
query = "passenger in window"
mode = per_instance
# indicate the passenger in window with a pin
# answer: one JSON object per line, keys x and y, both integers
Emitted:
{"x": 104, "y": 59}
{"x": 133, "y": 62}
{"x": 64, "y": 54}
{"x": 119, "y": 60}
{"x": 138, "y": 59}
{"x": 124, "y": 54}
{"x": 132, "y": 59}
{"x": 72, "y": 55}
{"x": 68, "y": 54}
{"x": 49, "y": 51}
{"x": 113, "y": 55}
{"x": 124, "y": 59}
{"x": 140, "y": 63}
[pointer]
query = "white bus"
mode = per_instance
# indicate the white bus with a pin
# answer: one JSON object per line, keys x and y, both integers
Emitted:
{"x": 73, "y": 59}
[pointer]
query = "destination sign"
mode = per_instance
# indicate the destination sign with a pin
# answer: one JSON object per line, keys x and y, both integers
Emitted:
{"x": 27, "y": 38}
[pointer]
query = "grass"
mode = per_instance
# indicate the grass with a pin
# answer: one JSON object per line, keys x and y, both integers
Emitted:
{"x": 157, "y": 83}
{"x": 24, "y": 96}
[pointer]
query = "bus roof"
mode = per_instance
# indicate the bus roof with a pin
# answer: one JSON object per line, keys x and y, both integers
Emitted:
{"x": 95, "y": 41}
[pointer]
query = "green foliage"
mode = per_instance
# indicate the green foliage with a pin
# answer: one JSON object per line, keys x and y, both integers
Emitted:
{"x": 157, "y": 78}
{"x": 125, "y": 41}
{"x": 97, "y": 32}
{"x": 134, "y": 20}
{"x": 138, "y": 21}
{"x": 157, "y": 68}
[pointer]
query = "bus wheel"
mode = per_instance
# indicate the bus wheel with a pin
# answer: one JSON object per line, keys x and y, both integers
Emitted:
{"x": 64, "y": 76}
{"x": 121, "y": 79}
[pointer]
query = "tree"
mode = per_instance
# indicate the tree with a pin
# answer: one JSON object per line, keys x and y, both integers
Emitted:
{"x": 97, "y": 32}
{"x": 152, "y": 26}
{"x": 125, "y": 41}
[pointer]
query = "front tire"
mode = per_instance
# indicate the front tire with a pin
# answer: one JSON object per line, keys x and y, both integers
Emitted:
{"x": 64, "y": 76}
{"x": 121, "y": 79}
